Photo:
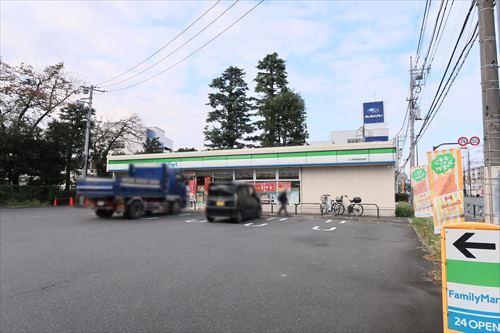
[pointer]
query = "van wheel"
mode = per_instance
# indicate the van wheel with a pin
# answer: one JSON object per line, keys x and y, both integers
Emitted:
{"x": 238, "y": 217}
{"x": 210, "y": 218}
{"x": 104, "y": 213}
{"x": 175, "y": 208}
{"x": 135, "y": 210}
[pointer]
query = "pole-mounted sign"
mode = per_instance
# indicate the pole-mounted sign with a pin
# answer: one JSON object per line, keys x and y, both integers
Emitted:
{"x": 464, "y": 141}
{"x": 470, "y": 259}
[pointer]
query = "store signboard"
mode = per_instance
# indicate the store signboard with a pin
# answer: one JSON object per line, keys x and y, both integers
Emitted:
{"x": 261, "y": 187}
{"x": 421, "y": 191}
{"x": 373, "y": 112}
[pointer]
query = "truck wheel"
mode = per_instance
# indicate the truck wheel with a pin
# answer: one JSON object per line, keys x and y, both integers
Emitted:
{"x": 104, "y": 213}
{"x": 134, "y": 210}
{"x": 175, "y": 208}
{"x": 210, "y": 218}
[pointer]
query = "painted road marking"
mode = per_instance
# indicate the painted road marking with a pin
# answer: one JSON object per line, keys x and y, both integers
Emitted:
{"x": 185, "y": 214}
{"x": 342, "y": 222}
{"x": 195, "y": 221}
{"x": 254, "y": 225}
{"x": 271, "y": 218}
{"x": 150, "y": 218}
{"x": 283, "y": 219}
{"x": 328, "y": 221}
{"x": 318, "y": 228}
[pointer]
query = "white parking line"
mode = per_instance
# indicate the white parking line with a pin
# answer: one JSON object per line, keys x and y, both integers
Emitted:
{"x": 342, "y": 222}
{"x": 271, "y": 218}
{"x": 283, "y": 219}
{"x": 150, "y": 218}
{"x": 185, "y": 214}
{"x": 195, "y": 221}
{"x": 328, "y": 221}
{"x": 318, "y": 228}
{"x": 254, "y": 225}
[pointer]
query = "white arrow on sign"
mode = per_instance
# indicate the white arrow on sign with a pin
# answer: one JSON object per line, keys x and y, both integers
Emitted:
{"x": 473, "y": 245}
{"x": 463, "y": 141}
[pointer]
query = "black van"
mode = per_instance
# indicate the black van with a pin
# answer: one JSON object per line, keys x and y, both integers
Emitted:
{"x": 231, "y": 199}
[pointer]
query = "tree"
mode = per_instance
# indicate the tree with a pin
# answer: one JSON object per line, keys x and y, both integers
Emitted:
{"x": 288, "y": 110}
{"x": 152, "y": 146}
{"x": 228, "y": 125}
{"x": 181, "y": 150}
{"x": 112, "y": 137}
{"x": 271, "y": 80}
{"x": 28, "y": 97}
{"x": 272, "y": 76}
{"x": 68, "y": 136}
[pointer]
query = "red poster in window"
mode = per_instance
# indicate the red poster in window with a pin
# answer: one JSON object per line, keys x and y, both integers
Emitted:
{"x": 192, "y": 186}
{"x": 284, "y": 186}
{"x": 208, "y": 179}
{"x": 265, "y": 187}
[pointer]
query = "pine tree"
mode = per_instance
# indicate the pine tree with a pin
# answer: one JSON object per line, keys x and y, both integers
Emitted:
{"x": 282, "y": 110}
{"x": 152, "y": 146}
{"x": 228, "y": 125}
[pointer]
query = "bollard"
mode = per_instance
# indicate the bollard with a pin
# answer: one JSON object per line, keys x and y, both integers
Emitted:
{"x": 55, "y": 203}
{"x": 71, "y": 202}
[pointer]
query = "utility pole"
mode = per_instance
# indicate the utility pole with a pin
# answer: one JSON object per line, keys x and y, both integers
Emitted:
{"x": 491, "y": 110}
{"x": 468, "y": 172}
{"x": 411, "y": 119}
{"x": 90, "y": 91}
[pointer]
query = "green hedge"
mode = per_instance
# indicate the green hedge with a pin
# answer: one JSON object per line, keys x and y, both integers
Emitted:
{"x": 404, "y": 209}
{"x": 14, "y": 195}
{"x": 402, "y": 197}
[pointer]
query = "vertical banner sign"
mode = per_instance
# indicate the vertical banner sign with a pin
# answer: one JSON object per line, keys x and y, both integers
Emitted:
{"x": 421, "y": 191}
{"x": 447, "y": 187}
{"x": 192, "y": 188}
{"x": 470, "y": 259}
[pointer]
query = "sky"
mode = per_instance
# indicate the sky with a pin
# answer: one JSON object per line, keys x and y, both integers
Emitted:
{"x": 338, "y": 55}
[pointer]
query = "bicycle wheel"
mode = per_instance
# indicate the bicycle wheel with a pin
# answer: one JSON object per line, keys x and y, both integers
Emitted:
{"x": 357, "y": 210}
{"x": 338, "y": 209}
{"x": 322, "y": 209}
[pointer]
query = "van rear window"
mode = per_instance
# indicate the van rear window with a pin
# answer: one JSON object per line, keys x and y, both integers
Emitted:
{"x": 221, "y": 190}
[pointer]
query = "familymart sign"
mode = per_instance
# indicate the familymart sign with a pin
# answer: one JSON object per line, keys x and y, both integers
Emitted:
{"x": 471, "y": 277}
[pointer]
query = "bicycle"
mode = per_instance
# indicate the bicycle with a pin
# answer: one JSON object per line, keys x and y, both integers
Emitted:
{"x": 355, "y": 208}
{"x": 326, "y": 205}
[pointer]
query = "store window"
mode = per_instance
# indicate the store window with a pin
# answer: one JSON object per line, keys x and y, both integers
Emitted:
{"x": 223, "y": 176}
{"x": 288, "y": 174}
{"x": 266, "y": 174}
{"x": 243, "y": 174}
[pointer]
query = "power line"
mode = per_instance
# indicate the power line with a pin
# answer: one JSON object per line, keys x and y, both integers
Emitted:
{"x": 447, "y": 68}
{"x": 164, "y": 46}
{"x": 422, "y": 27}
{"x": 190, "y": 54}
{"x": 177, "y": 49}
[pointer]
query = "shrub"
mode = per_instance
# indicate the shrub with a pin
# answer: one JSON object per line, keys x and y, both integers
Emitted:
{"x": 404, "y": 209}
{"x": 10, "y": 195}
{"x": 402, "y": 197}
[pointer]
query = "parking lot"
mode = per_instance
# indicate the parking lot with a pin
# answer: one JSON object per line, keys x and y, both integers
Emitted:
{"x": 64, "y": 270}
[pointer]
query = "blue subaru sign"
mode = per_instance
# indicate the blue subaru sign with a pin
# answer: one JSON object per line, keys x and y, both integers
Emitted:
{"x": 373, "y": 112}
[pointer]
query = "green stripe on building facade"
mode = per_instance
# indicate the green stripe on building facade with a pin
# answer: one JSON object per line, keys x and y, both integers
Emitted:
{"x": 473, "y": 273}
{"x": 247, "y": 156}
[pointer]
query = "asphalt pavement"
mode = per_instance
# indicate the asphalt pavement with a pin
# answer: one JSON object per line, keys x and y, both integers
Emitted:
{"x": 64, "y": 270}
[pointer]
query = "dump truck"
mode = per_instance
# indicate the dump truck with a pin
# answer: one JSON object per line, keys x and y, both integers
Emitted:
{"x": 142, "y": 191}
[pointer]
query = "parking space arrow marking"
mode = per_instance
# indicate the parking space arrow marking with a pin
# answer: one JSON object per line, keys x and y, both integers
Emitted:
{"x": 462, "y": 245}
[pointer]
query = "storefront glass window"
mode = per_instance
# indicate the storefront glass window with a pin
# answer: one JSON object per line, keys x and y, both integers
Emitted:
{"x": 223, "y": 176}
{"x": 289, "y": 174}
{"x": 243, "y": 174}
{"x": 266, "y": 174}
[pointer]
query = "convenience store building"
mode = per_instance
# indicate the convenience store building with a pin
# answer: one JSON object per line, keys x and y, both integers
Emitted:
{"x": 365, "y": 169}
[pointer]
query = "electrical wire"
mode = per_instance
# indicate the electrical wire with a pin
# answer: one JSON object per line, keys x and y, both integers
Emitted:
{"x": 422, "y": 27}
{"x": 177, "y": 49}
{"x": 164, "y": 46}
{"x": 190, "y": 54}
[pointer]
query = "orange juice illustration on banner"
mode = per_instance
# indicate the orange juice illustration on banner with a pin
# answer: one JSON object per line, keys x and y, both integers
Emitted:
{"x": 446, "y": 184}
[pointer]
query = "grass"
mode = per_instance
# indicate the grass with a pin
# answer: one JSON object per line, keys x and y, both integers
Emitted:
{"x": 431, "y": 244}
{"x": 23, "y": 204}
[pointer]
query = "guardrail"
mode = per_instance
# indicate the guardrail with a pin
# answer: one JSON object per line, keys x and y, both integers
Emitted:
{"x": 474, "y": 209}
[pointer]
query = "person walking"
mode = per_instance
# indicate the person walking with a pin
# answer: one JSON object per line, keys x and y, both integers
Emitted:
{"x": 283, "y": 199}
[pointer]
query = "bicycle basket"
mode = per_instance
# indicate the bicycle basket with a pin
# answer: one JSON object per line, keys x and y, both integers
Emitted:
{"x": 356, "y": 199}
{"x": 338, "y": 199}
